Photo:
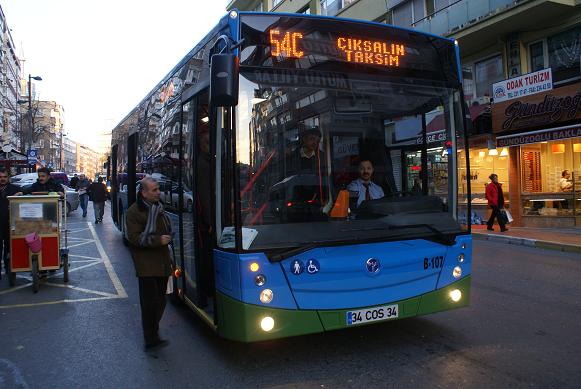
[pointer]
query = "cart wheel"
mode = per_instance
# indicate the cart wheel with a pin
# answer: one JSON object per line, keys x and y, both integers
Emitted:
{"x": 12, "y": 279}
{"x": 35, "y": 274}
{"x": 65, "y": 268}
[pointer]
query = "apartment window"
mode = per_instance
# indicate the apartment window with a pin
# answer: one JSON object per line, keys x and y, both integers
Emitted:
{"x": 419, "y": 11}
{"x": 488, "y": 72}
{"x": 331, "y": 7}
{"x": 41, "y": 143}
{"x": 258, "y": 7}
{"x": 537, "y": 54}
{"x": 403, "y": 15}
{"x": 564, "y": 50}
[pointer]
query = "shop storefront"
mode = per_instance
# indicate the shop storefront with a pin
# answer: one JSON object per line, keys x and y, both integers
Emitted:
{"x": 543, "y": 135}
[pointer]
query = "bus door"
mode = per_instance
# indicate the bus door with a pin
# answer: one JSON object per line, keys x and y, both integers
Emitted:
{"x": 197, "y": 197}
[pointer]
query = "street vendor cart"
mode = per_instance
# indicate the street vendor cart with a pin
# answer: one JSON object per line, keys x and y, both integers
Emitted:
{"x": 38, "y": 236}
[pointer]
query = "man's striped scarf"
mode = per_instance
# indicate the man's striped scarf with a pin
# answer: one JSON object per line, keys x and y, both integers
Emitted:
{"x": 146, "y": 237}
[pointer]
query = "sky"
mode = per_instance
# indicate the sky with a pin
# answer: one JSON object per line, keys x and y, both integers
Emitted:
{"x": 98, "y": 59}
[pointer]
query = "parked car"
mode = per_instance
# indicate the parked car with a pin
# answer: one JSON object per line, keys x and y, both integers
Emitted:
{"x": 24, "y": 179}
{"x": 60, "y": 177}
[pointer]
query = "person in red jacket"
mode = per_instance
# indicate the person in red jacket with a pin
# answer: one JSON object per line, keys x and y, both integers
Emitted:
{"x": 495, "y": 198}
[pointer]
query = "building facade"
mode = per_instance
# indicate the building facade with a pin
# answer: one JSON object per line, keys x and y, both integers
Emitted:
{"x": 47, "y": 138}
{"x": 69, "y": 155}
{"x": 499, "y": 40}
{"x": 10, "y": 70}
{"x": 88, "y": 161}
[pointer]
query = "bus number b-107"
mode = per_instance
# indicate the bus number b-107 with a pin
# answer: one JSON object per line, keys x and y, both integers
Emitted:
{"x": 434, "y": 263}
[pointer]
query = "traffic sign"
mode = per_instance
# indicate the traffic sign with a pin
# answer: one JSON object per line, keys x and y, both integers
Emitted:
{"x": 32, "y": 156}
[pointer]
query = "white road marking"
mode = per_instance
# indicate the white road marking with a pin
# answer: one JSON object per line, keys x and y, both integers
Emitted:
{"x": 83, "y": 256}
{"x": 58, "y": 302}
{"x": 116, "y": 282}
{"x": 105, "y": 294}
{"x": 79, "y": 244}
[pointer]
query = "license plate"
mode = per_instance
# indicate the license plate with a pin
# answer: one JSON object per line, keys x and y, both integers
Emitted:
{"x": 373, "y": 314}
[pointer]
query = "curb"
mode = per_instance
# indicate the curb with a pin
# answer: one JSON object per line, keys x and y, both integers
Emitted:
{"x": 541, "y": 244}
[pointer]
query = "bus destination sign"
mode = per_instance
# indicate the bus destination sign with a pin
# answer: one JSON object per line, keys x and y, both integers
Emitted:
{"x": 286, "y": 44}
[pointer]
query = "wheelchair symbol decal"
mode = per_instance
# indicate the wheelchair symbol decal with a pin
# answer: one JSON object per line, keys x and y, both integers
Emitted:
{"x": 313, "y": 266}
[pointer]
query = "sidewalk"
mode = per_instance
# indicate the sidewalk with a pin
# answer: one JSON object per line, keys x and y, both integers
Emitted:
{"x": 561, "y": 239}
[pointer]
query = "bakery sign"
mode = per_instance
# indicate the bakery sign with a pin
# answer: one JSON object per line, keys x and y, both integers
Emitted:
{"x": 539, "y": 136}
{"x": 558, "y": 106}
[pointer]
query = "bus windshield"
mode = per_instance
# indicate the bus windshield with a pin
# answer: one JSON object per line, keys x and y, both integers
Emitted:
{"x": 330, "y": 152}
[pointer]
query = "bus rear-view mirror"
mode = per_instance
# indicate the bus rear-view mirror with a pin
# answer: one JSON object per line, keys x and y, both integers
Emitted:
{"x": 224, "y": 80}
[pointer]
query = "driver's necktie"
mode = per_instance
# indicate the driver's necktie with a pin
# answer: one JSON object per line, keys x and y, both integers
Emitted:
{"x": 367, "y": 194}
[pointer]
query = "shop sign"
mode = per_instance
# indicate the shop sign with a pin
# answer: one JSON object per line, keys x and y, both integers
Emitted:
{"x": 559, "y": 106}
{"x": 544, "y": 136}
{"x": 437, "y": 136}
{"x": 525, "y": 85}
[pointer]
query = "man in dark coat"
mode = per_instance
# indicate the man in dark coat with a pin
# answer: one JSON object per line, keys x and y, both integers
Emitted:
{"x": 149, "y": 234}
{"x": 6, "y": 189}
{"x": 82, "y": 187}
{"x": 45, "y": 183}
{"x": 74, "y": 181}
{"x": 98, "y": 195}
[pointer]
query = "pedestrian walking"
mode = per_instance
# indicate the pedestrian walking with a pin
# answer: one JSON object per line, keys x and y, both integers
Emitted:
{"x": 74, "y": 181}
{"x": 149, "y": 234}
{"x": 82, "y": 186}
{"x": 6, "y": 189}
{"x": 495, "y": 198}
{"x": 98, "y": 194}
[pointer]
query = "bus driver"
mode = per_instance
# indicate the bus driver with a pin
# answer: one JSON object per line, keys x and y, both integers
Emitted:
{"x": 366, "y": 189}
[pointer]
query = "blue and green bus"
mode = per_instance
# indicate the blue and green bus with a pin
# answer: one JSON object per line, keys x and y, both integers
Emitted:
{"x": 310, "y": 168}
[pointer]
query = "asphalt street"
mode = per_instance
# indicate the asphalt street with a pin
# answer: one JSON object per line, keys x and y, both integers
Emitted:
{"x": 522, "y": 330}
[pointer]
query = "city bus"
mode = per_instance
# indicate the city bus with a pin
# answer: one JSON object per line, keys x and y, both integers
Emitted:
{"x": 310, "y": 167}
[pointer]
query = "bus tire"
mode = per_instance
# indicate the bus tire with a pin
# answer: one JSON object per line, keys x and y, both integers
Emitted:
{"x": 66, "y": 268}
{"x": 12, "y": 279}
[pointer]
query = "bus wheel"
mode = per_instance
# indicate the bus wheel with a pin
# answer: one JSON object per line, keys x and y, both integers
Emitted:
{"x": 12, "y": 279}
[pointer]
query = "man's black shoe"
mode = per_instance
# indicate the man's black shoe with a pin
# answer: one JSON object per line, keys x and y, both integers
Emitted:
{"x": 160, "y": 343}
{"x": 490, "y": 228}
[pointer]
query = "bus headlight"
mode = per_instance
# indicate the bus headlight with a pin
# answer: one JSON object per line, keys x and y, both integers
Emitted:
{"x": 260, "y": 280}
{"x": 266, "y": 296}
{"x": 267, "y": 324}
{"x": 254, "y": 267}
{"x": 457, "y": 272}
{"x": 461, "y": 258}
{"x": 456, "y": 295}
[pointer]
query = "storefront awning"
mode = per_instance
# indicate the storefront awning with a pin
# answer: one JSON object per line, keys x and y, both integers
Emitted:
{"x": 551, "y": 134}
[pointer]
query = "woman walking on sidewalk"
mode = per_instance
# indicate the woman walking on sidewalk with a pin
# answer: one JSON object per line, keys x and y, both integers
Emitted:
{"x": 495, "y": 198}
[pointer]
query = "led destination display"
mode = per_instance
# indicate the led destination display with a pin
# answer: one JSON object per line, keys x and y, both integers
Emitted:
{"x": 360, "y": 50}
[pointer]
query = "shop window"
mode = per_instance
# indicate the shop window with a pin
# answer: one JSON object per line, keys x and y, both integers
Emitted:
{"x": 488, "y": 72}
{"x": 531, "y": 169}
{"x": 564, "y": 50}
{"x": 537, "y": 54}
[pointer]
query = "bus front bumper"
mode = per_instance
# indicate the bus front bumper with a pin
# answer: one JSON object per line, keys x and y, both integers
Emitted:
{"x": 251, "y": 323}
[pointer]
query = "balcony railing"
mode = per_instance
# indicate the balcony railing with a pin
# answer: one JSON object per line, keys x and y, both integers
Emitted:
{"x": 460, "y": 14}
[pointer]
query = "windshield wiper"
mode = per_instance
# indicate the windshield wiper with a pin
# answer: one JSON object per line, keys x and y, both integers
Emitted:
{"x": 447, "y": 239}
{"x": 294, "y": 251}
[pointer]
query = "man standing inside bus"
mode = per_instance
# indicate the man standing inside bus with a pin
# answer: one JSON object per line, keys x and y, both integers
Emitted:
{"x": 149, "y": 234}
{"x": 308, "y": 159}
{"x": 366, "y": 189}
{"x": 6, "y": 189}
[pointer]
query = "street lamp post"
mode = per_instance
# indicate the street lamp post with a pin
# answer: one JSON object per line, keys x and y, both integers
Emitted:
{"x": 30, "y": 116}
